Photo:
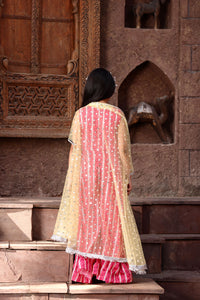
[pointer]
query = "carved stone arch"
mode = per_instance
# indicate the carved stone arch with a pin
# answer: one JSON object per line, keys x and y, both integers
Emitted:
{"x": 145, "y": 83}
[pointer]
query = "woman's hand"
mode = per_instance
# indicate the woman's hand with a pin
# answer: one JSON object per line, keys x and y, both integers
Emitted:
{"x": 129, "y": 187}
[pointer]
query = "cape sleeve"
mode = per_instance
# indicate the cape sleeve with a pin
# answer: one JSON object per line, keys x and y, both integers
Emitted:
{"x": 124, "y": 145}
{"x": 74, "y": 130}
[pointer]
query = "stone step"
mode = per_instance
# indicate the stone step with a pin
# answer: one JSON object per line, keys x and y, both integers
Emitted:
{"x": 25, "y": 252}
{"x": 33, "y": 261}
{"x": 15, "y": 221}
{"x": 141, "y": 289}
{"x": 153, "y": 215}
{"x": 179, "y": 284}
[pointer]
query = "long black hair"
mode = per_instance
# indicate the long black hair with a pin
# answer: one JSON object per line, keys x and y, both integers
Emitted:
{"x": 99, "y": 85}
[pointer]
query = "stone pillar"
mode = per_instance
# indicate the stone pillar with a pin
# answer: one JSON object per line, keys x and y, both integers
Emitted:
{"x": 189, "y": 91}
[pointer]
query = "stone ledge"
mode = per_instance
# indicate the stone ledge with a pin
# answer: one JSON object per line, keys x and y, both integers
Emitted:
{"x": 54, "y": 202}
{"x": 173, "y": 275}
{"x": 37, "y": 245}
{"x": 61, "y": 246}
{"x": 140, "y": 286}
{"x": 15, "y": 205}
{"x": 19, "y": 288}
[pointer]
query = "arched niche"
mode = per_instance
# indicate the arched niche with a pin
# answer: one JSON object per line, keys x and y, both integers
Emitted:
{"x": 146, "y": 83}
{"x": 147, "y": 20}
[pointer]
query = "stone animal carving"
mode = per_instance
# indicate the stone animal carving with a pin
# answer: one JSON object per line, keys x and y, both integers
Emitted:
{"x": 148, "y": 8}
{"x": 144, "y": 112}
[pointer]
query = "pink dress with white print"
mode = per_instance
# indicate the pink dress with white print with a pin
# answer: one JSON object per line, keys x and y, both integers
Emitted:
{"x": 95, "y": 216}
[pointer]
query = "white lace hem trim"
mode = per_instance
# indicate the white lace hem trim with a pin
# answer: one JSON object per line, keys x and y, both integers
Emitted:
{"x": 58, "y": 238}
{"x": 137, "y": 269}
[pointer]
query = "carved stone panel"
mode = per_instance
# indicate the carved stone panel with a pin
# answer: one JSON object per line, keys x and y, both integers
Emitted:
{"x": 43, "y": 109}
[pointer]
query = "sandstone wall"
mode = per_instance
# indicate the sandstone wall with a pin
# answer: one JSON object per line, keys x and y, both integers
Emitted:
{"x": 161, "y": 169}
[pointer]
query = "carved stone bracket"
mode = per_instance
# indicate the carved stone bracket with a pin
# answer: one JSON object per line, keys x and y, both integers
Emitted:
{"x": 72, "y": 66}
{"x": 35, "y": 37}
{"x": 89, "y": 40}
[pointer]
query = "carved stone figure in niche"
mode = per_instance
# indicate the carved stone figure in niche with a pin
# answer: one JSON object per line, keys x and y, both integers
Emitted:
{"x": 144, "y": 112}
{"x": 152, "y": 7}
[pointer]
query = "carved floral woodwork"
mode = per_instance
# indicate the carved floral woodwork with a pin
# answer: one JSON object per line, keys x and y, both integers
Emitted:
{"x": 42, "y": 105}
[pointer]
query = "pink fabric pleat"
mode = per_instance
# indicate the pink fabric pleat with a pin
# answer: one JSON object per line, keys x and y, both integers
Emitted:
{"x": 111, "y": 272}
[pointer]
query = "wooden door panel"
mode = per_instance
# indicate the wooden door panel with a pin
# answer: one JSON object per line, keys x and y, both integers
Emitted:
{"x": 17, "y": 8}
{"x": 47, "y": 49}
{"x": 56, "y": 47}
{"x": 16, "y": 43}
{"x": 57, "y": 9}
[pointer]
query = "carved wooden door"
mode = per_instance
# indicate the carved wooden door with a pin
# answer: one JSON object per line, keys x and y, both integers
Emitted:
{"x": 38, "y": 67}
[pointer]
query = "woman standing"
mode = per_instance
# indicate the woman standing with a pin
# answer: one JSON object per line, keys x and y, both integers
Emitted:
{"x": 95, "y": 216}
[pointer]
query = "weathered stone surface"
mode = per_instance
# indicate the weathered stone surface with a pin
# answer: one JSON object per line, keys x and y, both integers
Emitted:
{"x": 190, "y": 136}
{"x": 184, "y": 166}
{"x": 189, "y": 186}
{"x": 190, "y": 110}
{"x": 185, "y": 57}
{"x": 195, "y": 163}
{"x": 140, "y": 286}
{"x": 196, "y": 57}
{"x": 194, "y": 8}
{"x": 15, "y": 224}
{"x": 115, "y": 297}
{"x": 40, "y": 166}
{"x": 167, "y": 219}
{"x": 25, "y": 297}
{"x": 137, "y": 211}
{"x": 140, "y": 45}
{"x": 190, "y": 31}
{"x": 43, "y": 223}
{"x": 33, "y": 288}
{"x": 190, "y": 84}
{"x": 155, "y": 174}
{"x": 152, "y": 253}
{"x": 184, "y": 8}
{"x": 181, "y": 255}
{"x": 180, "y": 290}
{"x": 34, "y": 266}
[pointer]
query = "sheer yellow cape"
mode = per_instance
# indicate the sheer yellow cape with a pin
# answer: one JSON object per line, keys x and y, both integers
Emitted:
{"x": 66, "y": 228}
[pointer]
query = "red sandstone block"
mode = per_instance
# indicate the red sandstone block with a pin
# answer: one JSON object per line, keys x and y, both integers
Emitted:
{"x": 190, "y": 29}
{"x": 184, "y": 8}
{"x": 43, "y": 223}
{"x": 189, "y": 186}
{"x": 15, "y": 224}
{"x": 194, "y": 9}
{"x": 108, "y": 296}
{"x": 185, "y": 57}
{"x": 184, "y": 162}
{"x": 137, "y": 211}
{"x": 181, "y": 255}
{"x": 58, "y": 297}
{"x": 152, "y": 253}
{"x": 153, "y": 176}
{"x": 26, "y": 297}
{"x": 190, "y": 110}
{"x": 190, "y": 136}
{"x": 168, "y": 219}
{"x": 190, "y": 84}
{"x": 196, "y": 57}
{"x": 195, "y": 163}
{"x": 36, "y": 265}
{"x": 181, "y": 290}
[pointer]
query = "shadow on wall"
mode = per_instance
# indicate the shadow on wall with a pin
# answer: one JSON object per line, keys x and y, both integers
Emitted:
{"x": 147, "y": 98}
